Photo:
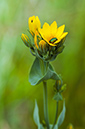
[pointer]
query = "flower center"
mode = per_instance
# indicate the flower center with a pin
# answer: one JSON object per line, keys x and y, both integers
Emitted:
{"x": 53, "y": 40}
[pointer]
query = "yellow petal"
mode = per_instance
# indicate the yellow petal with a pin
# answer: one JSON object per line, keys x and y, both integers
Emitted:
{"x": 63, "y": 35}
{"x": 57, "y": 41}
{"x": 52, "y": 44}
{"x": 45, "y": 32}
{"x": 38, "y": 24}
{"x": 46, "y": 26}
{"x": 60, "y": 31}
{"x": 35, "y": 41}
{"x": 54, "y": 25}
{"x": 53, "y": 28}
{"x": 41, "y": 32}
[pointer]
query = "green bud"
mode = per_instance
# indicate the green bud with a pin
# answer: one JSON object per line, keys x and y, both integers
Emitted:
{"x": 25, "y": 39}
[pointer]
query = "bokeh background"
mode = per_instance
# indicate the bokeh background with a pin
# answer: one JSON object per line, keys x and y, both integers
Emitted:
{"x": 17, "y": 96}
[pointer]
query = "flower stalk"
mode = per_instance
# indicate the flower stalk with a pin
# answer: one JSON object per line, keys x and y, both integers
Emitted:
{"x": 45, "y": 104}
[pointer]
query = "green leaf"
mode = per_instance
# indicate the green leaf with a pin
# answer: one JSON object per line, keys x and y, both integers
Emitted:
{"x": 40, "y": 72}
{"x": 56, "y": 127}
{"x": 58, "y": 97}
{"x": 51, "y": 126}
{"x": 36, "y": 115}
{"x": 61, "y": 116}
{"x": 41, "y": 127}
{"x": 50, "y": 74}
{"x": 36, "y": 73}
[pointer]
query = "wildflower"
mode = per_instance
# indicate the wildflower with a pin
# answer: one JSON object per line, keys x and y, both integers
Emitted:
{"x": 46, "y": 42}
{"x": 51, "y": 34}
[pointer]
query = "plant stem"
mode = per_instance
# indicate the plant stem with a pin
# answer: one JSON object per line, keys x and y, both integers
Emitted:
{"x": 45, "y": 104}
{"x": 55, "y": 115}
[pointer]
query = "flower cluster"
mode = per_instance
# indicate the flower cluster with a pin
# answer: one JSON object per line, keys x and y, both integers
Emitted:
{"x": 46, "y": 42}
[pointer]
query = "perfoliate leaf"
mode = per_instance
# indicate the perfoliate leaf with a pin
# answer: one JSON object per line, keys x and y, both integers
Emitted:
{"x": 36, "y": 73}
{"x": 40, "y": 72}
{"x": 61, "y": 116}
{"x": 58, "y": 97}
{"x": 36, "y": 116}
{"x": 51, "y": 74}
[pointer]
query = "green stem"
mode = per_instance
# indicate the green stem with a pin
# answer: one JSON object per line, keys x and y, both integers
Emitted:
{"x": 45, "y": 104}
{"x": 44, "y": 66}
{"x": 55, "y": 115}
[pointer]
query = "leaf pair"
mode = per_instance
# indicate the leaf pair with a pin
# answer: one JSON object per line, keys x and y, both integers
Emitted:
{"x": 59, "y": 121}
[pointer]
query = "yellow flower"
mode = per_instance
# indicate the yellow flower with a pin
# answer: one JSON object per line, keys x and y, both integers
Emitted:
{"x": 34, "y": 24}
{"x": 51, "y": 34}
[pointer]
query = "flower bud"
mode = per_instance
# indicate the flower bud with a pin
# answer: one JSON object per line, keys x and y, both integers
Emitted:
{"x": 70, "y": 126}
{"x": 25, "y": 39}
{"x": 34, "y": 24}
{"x": 42, "y": 45}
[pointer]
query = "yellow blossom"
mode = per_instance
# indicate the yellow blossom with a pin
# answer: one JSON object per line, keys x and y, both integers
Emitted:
{"x": 51, "y": 34}
{"x": 46, "y": 42}
{"x": 34, "y": 24}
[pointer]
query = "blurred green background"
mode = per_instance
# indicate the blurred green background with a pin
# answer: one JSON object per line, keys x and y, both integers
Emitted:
{"x": 17, "y": 96}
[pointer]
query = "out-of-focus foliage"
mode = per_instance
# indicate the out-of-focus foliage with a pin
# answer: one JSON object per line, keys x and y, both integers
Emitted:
{"x": 17, "y": 96}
